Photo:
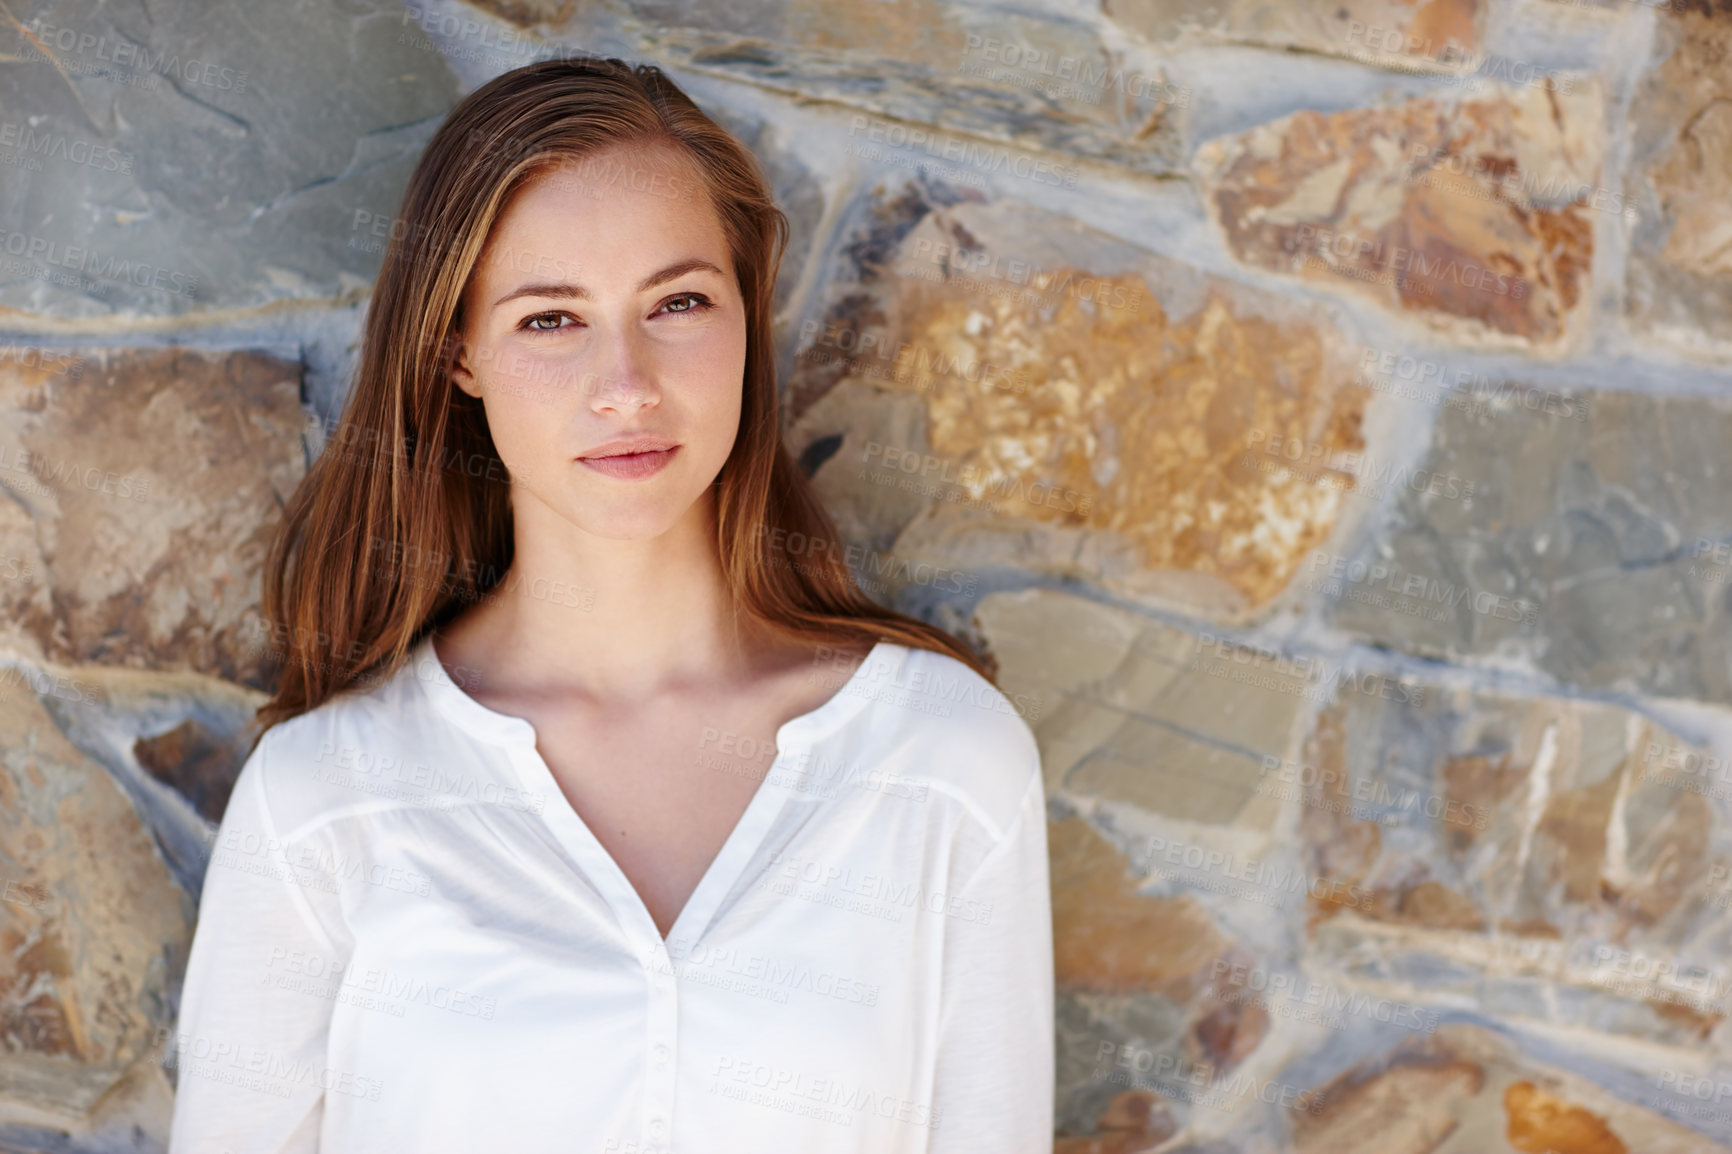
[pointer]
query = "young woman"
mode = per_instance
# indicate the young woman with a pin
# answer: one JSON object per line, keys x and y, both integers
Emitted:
{"x": 597, "y": 809}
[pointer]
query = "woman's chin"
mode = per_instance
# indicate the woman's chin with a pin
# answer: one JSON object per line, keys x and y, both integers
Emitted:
{"x": 634, "y": 521}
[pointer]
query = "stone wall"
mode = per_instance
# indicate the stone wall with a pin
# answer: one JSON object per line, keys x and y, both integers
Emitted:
{"x": 1320, "y": 414}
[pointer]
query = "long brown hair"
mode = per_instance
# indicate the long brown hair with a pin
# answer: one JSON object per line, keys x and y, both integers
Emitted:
{"x": 398, "y": 487}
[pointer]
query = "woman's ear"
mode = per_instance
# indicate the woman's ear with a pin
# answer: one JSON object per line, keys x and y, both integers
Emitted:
{"x": 461, "y": 373}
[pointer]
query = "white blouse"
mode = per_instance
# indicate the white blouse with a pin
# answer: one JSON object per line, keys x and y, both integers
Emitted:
{"x": 409, "y": 942}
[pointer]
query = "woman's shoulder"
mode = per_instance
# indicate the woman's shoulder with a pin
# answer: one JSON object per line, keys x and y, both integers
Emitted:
{"x": 958, "y": 731}
{"x": 304, "y": 767}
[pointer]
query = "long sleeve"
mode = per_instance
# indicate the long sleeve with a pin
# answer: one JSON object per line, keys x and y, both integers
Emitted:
{"x": 249, "y": 1047}
{"x": 995, "y": 1073}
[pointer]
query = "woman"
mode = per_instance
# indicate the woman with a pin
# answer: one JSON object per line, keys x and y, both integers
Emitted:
{"x": 707, "y": 851}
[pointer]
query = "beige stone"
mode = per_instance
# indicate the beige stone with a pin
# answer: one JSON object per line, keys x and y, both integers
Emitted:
{"x": 149, "y": 486}
{"x": 1427, "y": 36}
{"x": 1680, "y": 278}
{"x": 1143, "y": 713}
{"x": 90, "y": 927}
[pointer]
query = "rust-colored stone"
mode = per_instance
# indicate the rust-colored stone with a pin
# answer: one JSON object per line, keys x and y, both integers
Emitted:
{"x": 529, "y": 13}
{"x": 1540, "y": 1123}
{"x": 1107, "y": 936}
{"x": 1417, "y": 35}
{"x": 195, "y": 762}
{"x": 1339, "y": 846}
{"x": 1405, "y": 1103}
{"x": 1134, "y": 1122}
{"x": 1228, "y": 1033}
{"x": 1141, "y": 424}
{"x": 1433, "y": 904}
{"x": 1474, "y": 215}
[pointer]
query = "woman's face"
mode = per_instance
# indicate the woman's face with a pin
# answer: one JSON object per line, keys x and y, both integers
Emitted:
{"x": 604, "y": 315}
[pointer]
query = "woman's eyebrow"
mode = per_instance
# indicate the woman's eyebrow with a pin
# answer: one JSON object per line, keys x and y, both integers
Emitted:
{"x": 565, "y": 290}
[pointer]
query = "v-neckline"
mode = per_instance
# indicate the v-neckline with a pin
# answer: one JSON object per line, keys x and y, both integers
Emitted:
{"x": 766, "y": 804}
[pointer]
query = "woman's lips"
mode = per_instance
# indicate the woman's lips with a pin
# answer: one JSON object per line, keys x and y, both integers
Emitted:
{"x": 631, "y": 466}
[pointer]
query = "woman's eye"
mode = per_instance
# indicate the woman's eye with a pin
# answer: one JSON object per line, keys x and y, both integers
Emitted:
{"x": 688, "y": 303}
{"x": 533, "y": 324}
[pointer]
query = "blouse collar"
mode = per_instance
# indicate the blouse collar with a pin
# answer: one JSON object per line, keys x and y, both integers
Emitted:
{"x": 449, "y": 700}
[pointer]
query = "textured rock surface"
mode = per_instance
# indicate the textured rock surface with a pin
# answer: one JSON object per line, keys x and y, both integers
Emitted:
{"x": 94, "y": 931}
{"x": 1098, "y": 420}
{"x": 1437, "y": 35}
{"x": 191, "y": 157}
{"x": 143, "y": 493}
{"x": 1681, "y": 266}
{"x": 1316, "y": 413}
{"x": 1594, "y": 547}
{"x": 997, "y": 82}
{"x": 1473, "y": 213}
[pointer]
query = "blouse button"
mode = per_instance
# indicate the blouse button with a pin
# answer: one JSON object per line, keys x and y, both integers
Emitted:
{"x": 657, "y": 1128}
{"x": 661, "y": 1056}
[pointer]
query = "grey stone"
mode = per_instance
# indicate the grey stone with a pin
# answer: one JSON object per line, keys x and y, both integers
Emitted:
{"x": 1596, "y": 549}
{"x": 196, "y": 157}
